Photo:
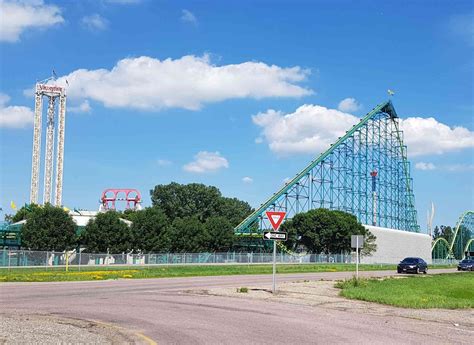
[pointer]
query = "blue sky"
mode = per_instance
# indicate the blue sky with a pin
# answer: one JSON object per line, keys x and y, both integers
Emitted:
{"x": 165, "y": 91}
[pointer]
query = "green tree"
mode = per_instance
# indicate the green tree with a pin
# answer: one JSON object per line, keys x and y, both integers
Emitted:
{"x": 436, "y": 232}
{"x": 23, "y": 212}
{"x": 197, "y": 200}
{"x": 233, "y": 209}
{"x": 107, "y": 233}
{"x": 8, "y": 218}
{"x": 447, "y": 232}
{"x": 150, "y": 230}
{"x": 48, "y": 228}
{"x": 187, "y": 205}
{"x": 326, "y": 231}
{"x": 191, "y": 200}
{"x": 188, "y": 235}
{"x": 220, "y": 234}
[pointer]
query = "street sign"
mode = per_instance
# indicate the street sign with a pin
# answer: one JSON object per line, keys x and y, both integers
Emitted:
{"x": 357, "y": 241}
{"x": 275, "y": 235}
{"x": 275, "y": 218}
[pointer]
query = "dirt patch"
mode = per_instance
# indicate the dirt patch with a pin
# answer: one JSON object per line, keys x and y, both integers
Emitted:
{"x": 323, "y": 294}
{"x": 46, "y": 329}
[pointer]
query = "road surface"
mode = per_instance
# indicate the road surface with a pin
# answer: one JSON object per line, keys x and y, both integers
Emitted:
{"x": 166, "y": 312}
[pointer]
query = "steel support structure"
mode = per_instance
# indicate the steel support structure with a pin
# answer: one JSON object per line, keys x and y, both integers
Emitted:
{"x": 35, "y": 161}
{"x": 48, "y": 165}
{"x": 463, "y": 234}
{"x": 52, "y": 93}
{"x": 461, "y": 242}
{"x": 60, "y": 150}
{"x": 340, "y": 179}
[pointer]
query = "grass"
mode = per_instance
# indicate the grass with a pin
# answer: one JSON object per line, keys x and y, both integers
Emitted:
{"x": 447, "y": 291}
{"x": 101, "y": 273}
{"x": 242, "y": 290}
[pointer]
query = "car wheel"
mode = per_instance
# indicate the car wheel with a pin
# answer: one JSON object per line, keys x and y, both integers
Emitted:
{"x": 417, "y": 270}
{"x": 425, "y": 271}
{"x": 399, "y": 271}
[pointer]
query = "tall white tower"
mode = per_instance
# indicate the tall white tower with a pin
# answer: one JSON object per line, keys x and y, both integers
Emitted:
{"x": 53, "y": 93}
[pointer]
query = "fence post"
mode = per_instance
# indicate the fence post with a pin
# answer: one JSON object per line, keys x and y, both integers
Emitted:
{"x": 9, "y": 259}
{"x": 46, "y": 261}
{"x": 80, "y": 259}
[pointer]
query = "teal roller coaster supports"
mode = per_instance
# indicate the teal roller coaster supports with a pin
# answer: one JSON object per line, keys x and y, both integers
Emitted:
{"x": 339, "y": 179}
{"x": 463, "y": 234}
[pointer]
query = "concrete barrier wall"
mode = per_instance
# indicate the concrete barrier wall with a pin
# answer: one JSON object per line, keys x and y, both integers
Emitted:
{"x": 394, "y": 245}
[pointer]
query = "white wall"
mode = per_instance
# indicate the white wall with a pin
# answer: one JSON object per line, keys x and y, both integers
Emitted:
{"x": 394, "y": 245}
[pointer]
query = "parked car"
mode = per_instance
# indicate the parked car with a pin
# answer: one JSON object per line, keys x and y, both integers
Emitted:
{"x": 414, "y": 265}
{"x": 466, "y": 265}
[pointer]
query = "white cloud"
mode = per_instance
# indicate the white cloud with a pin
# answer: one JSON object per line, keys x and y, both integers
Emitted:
{"x": 95, "y": 22}
{"x": 258, "y": 140}
{"x": 84, "y": 107}
{"x": 14, "y": 116}
{"x": 20, "y": 15}
{"x": 188, "y": 82}
{"x": 425, "y": 136}
{"x": 425, "y": 166}
{"x": 312, "y": 128}
{"x": 206, "y": 162}
{"x": 459, "y": 167}
{"x": 189, "y": 17}
{"x": 163, "y": 162}
{"x": 247, "y": 179}
{"x": 446, "y": 167}
{"x": 349, "y": 105}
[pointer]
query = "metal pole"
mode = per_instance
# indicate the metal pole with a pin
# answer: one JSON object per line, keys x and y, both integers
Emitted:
{"x": 80, "y": 259}
{"x": 274, "y": 267}
{"x": 357, "y": 257}
{"x": 9, "y": 258}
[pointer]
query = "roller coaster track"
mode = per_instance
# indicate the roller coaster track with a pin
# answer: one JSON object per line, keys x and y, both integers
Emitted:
{"x": 339, "y": 178}
{"x": 465, "y": 220}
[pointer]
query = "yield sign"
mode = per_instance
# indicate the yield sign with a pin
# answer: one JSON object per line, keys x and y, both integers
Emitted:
{"x": 275, "y": 218}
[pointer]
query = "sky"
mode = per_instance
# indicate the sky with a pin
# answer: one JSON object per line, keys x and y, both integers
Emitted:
{"x": 236, "y": 94}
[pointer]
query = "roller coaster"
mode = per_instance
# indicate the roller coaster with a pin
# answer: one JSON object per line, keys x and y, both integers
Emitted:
{"x": 345, "y": 176}
{"x": 366, "y": 173}
{"x": 462, "y": 242}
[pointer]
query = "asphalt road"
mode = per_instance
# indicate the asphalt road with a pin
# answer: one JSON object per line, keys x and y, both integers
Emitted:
{"x": 164, "y": 310}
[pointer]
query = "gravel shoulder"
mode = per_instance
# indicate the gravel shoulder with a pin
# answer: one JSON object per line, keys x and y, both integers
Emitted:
{"x": 22, "y": 329}
{"x": 323, "y": 294}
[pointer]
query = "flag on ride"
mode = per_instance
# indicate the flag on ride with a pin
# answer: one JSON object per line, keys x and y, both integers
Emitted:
{"x": 12, "y": 205}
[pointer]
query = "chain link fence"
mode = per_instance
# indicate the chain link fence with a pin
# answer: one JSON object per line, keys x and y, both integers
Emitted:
{"x": 26, "y": 258}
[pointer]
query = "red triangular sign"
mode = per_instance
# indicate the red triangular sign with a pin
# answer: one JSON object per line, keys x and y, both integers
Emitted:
{"x": 275, "y": 218}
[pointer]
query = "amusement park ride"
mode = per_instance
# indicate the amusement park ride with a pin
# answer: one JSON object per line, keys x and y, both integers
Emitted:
{"x": 110, "y": 196}
{"x": 365, "y": 172}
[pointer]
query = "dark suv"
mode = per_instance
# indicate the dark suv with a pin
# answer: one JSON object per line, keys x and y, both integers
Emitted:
{"x": 414, "y": 265}
{"x": 466, "y": 265}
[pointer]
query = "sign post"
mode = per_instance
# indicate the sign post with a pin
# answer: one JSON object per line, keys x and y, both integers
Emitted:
{"x": 357, "y": 241}
{"x": 275, "y": 218}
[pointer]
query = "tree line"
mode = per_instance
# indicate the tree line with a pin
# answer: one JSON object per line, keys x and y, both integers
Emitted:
{"x": 182, "y": 218}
